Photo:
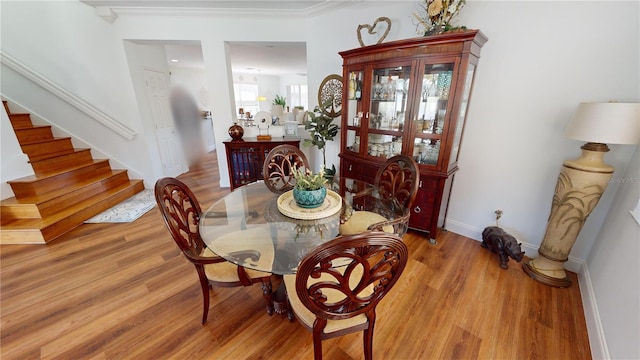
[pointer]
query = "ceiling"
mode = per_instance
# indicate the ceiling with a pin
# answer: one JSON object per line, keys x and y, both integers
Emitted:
{"x": 267, "y": 58}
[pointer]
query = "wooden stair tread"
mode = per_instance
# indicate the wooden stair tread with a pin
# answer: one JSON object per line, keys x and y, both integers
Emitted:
{"x": 39, "y": 199}
{"x": 35, "y": 142}
{"x": 90, "y": 207}
{"x": 35, "y": 127}
{"x": 54, "y": 154}
{"x": 34, "y": 178}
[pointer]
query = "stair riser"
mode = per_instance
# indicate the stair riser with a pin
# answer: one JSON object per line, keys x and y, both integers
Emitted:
{"x": 42, "y": 186}
{"x": 72, "y": 198}
{"x": 71, "y": 222}
{"x": 53, "y": 146}
{"x": 19, "y": 211}
{"x": 6, "y": 107}
{"x": 32, "y": 236}
{"x": 20, "y": 120}
{"x": 61, "y": 162}
{"x": 34, "y": 134}
{"x": 38, "y": 211}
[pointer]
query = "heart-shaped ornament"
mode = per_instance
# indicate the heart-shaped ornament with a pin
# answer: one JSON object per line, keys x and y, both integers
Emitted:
{"x": 372, "y": 32}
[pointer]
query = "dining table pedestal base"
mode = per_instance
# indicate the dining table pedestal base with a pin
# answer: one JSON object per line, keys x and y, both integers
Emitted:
{"x": 281, "y": 302}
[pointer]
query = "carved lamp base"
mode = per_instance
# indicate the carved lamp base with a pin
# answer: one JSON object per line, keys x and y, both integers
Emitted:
{"x": 580, "y": 185}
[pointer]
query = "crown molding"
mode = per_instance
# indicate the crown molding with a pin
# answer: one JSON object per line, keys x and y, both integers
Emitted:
{"x": 111, "y": 13}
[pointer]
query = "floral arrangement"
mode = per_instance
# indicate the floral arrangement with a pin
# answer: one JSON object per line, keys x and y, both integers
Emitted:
{"x": 307, "y": 180}
{"x": 436, "y": 16}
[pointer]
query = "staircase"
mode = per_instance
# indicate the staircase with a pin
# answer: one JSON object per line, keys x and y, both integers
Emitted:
{"x": 68, "y": 187}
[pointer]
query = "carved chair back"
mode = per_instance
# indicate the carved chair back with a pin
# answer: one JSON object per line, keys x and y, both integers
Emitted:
{"x": 278, "y": 167}
{"x": 181, "y": 213}
{"x": 347, "y": 277}
{"x": 399, "y": 178}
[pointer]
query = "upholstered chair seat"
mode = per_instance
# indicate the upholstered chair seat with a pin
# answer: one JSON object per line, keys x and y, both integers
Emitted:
{"x": 360, "y": 221}
{"x": 338, "y": 285}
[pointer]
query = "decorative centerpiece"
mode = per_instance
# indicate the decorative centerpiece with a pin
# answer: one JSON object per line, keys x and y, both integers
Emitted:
{"x": 436, "y": 16}
{"x": 309, "y": 191}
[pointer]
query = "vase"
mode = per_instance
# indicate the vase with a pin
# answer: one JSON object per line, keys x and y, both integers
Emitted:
{"x": 309, "y": 199}
{"x": 236, "y": 131}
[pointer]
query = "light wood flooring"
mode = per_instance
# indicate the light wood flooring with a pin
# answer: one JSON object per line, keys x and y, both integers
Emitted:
{"x": 124, "y": 291}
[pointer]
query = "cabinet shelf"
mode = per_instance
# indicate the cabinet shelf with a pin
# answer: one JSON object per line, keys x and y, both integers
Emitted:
{"x": 428, "y": 78}
{"x": 385, "y": 132}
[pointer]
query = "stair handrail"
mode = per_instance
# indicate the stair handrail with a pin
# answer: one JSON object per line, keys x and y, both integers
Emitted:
{"x": 67, "y": 96}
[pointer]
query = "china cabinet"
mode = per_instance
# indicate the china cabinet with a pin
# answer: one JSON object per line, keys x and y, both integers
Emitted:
{"x": 413, "y": 100}
{"x": 245, "y": 158}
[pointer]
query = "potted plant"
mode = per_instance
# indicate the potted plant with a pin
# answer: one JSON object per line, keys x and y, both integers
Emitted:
{"x": 309, "y": 191}
{"x": 321, "y": 129}
{"x": 280, "y": 100}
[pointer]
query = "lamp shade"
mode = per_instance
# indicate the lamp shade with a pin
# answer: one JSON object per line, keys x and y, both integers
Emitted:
{"x": 607, "y": 123}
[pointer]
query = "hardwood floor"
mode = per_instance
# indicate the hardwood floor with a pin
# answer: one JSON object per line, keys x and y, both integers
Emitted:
{"x": 124, "y": 291}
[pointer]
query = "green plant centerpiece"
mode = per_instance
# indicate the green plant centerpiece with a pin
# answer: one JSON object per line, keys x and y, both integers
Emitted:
{"x": 280, "y": 100}
{"x": 309, "y": 191}
{"x": 321, "y": 129}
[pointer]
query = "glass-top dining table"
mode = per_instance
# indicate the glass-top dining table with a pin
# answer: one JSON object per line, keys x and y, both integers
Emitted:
{"x": 248, "y": 227}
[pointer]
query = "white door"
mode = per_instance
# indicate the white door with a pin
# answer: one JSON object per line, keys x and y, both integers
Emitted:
{"x": 169, "y": 147}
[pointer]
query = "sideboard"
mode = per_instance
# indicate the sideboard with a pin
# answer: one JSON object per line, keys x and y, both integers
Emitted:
{"x": 246, "y": 156}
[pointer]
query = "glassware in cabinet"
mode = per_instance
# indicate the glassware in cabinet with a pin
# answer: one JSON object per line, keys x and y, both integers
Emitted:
{"x": 389, "y": 94}
{"x": 353, "y": 141}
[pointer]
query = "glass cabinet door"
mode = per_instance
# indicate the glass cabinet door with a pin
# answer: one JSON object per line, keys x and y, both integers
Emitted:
{"x": 431, "y": 118}
{"x": 354, "y": 90}
{"x": 389, "y": 97}
{"x": 462, "y": 114}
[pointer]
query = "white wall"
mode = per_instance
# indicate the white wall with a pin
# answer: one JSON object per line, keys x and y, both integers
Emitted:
{"x": 15, "y": 164}
{"x": 58, "y": 40}
{"x": 536, "y": 67}
{"x": 541, "y": 60}
{"x": 530, "y": 79}
{"x": 614, "y": 271}
{"x": 194, "y": 81}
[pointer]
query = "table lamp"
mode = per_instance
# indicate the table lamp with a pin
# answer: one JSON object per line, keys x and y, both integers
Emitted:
{"x": 581, "y": 183}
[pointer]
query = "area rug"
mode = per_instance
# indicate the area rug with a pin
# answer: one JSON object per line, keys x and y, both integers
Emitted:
{"x": 128, "y": 210}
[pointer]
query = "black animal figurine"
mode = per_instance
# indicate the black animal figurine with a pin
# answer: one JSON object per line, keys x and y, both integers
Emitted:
{"x": 505, "y": 245}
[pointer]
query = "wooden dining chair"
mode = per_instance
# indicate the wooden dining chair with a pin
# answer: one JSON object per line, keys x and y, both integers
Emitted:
{"x": 397, "y": 179}
{"x": 278, "y": 167}
{"x": 339, "y": 284}
{"x": 181, "y": 212}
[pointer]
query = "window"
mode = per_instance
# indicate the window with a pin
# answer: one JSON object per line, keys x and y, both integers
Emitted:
{"x": 246, "y": 97}
{"x": 297, "y": 95}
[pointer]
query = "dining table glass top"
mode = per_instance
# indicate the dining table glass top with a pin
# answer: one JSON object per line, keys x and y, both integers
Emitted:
{"x": 247, "y": 227}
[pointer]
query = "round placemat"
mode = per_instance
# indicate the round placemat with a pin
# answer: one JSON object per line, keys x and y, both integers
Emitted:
{"x": 331, "y": 205}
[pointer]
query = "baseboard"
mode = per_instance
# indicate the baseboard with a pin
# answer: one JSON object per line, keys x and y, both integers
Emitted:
{"x": 573, "y": 264}
{"x": 597, "y": 339}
